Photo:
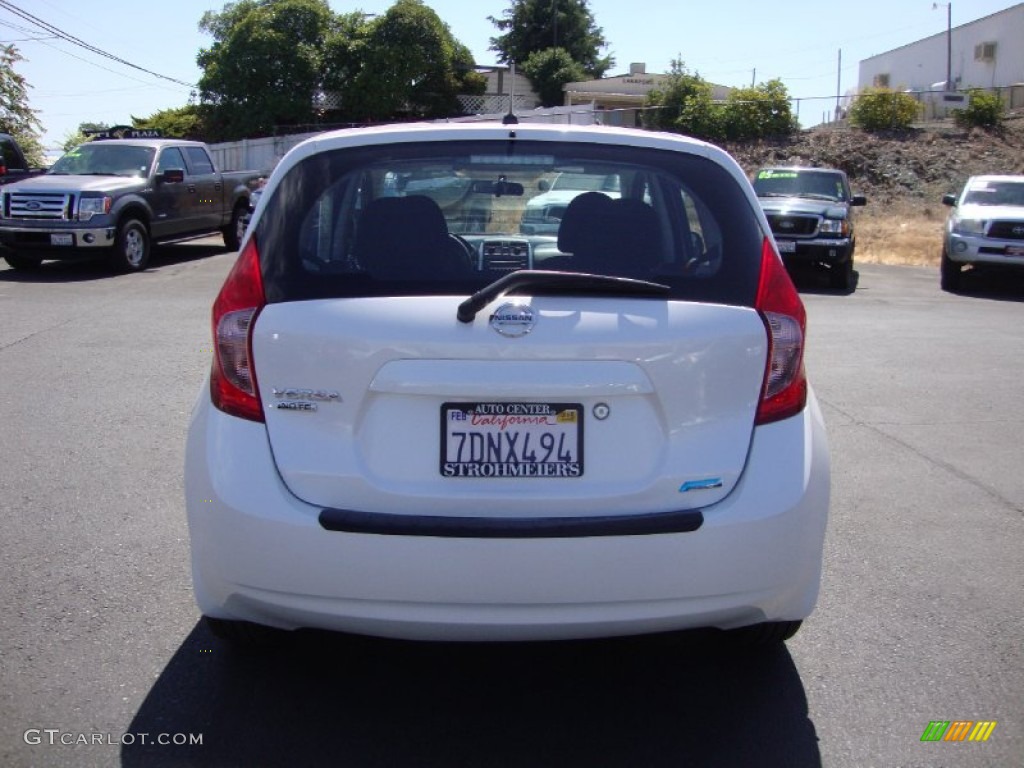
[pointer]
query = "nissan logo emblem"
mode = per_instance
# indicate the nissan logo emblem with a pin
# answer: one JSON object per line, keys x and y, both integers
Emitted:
{"x": 513, "y": 320}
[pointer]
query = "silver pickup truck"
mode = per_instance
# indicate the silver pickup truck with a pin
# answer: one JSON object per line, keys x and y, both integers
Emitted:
{"x": 117, "y": 197}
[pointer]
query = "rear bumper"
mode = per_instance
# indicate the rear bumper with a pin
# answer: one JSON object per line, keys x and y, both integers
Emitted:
{"x": 260, "y": 554}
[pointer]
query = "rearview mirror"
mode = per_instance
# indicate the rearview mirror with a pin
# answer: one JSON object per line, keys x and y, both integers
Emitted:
{"x": 499, "y": 188}
{"x": 173, "y": 176}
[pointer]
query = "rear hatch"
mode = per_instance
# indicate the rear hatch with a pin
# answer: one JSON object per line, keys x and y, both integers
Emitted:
{"x": 608, "y": 405}
{"x": 622, "y": 373}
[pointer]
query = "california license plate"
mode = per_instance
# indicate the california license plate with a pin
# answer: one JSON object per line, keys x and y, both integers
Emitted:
{"x": 786, "y": 246}
{"x": 495, "y": 440}
{"x": 62, "y": 239}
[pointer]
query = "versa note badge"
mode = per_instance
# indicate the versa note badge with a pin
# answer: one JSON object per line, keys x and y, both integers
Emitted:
{"x": 297, "y": 399}
{"x": 513, "y": 320}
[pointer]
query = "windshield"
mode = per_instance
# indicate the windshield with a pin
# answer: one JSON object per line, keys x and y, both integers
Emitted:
{"x": 451, "y": 217}
{"x": 995, "y": 193}
{"x": 796, "y": 183}
{"x": 105, "y": 159}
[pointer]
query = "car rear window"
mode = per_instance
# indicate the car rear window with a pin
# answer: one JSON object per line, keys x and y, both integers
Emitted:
{"x": 450, "y": 217}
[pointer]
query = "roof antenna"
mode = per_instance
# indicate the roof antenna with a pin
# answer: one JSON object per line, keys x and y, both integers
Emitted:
{"x": 510, "y": 118}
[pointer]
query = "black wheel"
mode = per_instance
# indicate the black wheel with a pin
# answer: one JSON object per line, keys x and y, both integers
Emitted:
{"x": 841, "y": 276}
{"x": 132, "y": 246}
{"x": 949, "y": 273}
{"x": 235, "y": 231}
{"x": 761, "y": 635}
{"x": 23, "y": 262}
{"x": 244, "y": 634}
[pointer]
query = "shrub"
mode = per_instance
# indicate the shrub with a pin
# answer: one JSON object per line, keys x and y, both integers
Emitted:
{"x": 984, "y": 109}
{"x": 758, "y": 112}
{"x": 878, "y": 109}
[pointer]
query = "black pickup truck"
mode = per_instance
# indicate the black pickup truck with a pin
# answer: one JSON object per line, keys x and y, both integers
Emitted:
{"x": 117, "y": 197}
{"x": 13, "y": 165}
{"x": 810, "y": 213}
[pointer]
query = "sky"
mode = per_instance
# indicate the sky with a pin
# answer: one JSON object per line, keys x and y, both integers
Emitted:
{"x": 727, "y": 42}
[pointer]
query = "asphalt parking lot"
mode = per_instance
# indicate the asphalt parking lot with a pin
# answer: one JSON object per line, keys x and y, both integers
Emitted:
{"x": 921, "y": 616}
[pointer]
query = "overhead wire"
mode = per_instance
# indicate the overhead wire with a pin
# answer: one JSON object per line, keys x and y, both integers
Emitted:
{"x": 61, "y": 34}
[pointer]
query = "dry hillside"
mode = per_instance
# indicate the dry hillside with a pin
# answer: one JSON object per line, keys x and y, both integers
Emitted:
{"x": 903, "y": 174}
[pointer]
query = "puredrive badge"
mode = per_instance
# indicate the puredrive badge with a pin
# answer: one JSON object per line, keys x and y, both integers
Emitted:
{"x": 513, "y": 320}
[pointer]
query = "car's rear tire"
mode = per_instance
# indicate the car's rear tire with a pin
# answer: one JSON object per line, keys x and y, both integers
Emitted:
{"x": 131, "y": 247}
{"x": 244, "y": 634}
{"x": 18, "y": 261}
{"x": 235, "y": 230}
{"x": 762, "y": 635}
{"x": 949, "y": 273}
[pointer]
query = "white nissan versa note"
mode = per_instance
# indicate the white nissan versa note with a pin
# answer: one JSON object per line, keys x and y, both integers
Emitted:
{"x": 412, "y": 433}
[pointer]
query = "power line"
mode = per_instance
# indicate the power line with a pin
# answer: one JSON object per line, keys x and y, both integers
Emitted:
{"x": 82, "y": 44}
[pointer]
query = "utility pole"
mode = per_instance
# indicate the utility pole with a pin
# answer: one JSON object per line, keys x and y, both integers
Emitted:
{"x": 949, "y": 46}
{"x": 554, "y": 23}
{"x": 949, "y": 43}
{"x": 839, "y": 82}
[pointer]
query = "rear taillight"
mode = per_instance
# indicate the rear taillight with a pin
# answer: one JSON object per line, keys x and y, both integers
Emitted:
{"x": 233, "y": 387}
{"x": 784, "y": 392}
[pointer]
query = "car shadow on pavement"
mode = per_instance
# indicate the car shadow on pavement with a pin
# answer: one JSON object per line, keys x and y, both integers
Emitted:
{"x": 86, "y": 269}
{"x": 816, "y": 281}
{"x": 323, "y": 699}
{"x": 998, "y": 285}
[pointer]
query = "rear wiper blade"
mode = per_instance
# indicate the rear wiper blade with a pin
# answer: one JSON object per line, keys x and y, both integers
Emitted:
{"x": 572, "y": 282}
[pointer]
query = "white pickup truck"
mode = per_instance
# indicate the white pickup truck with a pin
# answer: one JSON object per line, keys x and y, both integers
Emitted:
{"x": 985, "y": 228}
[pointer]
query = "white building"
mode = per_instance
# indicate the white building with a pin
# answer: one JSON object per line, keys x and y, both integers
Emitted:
{"x": 985, "y": 53}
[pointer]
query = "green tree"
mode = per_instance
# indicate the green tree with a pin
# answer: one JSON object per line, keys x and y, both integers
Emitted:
{"x": 531, "y": 26}
{"x": 73, "y": 138}
{"x": 180, "y": 123}
{"x": 16, "y": 117}
{"x": 410, "y": 66}
{"x": 684, "y": 105}
{"x": 549, "y": 70}
{"x": 879, "y": 109}
{"x": 758, "y": 112}
{"x": 264, "y": 67}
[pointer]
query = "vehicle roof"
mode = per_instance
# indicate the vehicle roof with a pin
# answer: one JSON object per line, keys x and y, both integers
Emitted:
{"x": 489, "y": 131}
{"x": 156, "y": 143}
{"x": 801, "y": 168}
{"x": 996, "y": 177}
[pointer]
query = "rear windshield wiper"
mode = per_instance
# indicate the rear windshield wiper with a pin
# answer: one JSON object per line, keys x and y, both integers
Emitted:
{"x": 569, "y": 282}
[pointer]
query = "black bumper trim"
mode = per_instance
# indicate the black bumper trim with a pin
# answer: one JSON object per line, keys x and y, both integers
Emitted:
{"x": 349, "y": 521}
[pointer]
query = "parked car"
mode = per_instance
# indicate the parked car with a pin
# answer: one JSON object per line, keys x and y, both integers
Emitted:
{"x": 493, "y": 436}
{"x": 116, "y": 197}
{"x": 985, "y": 229}
{"x": 810, "y": 211}
{"x": 13, "y": 164}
